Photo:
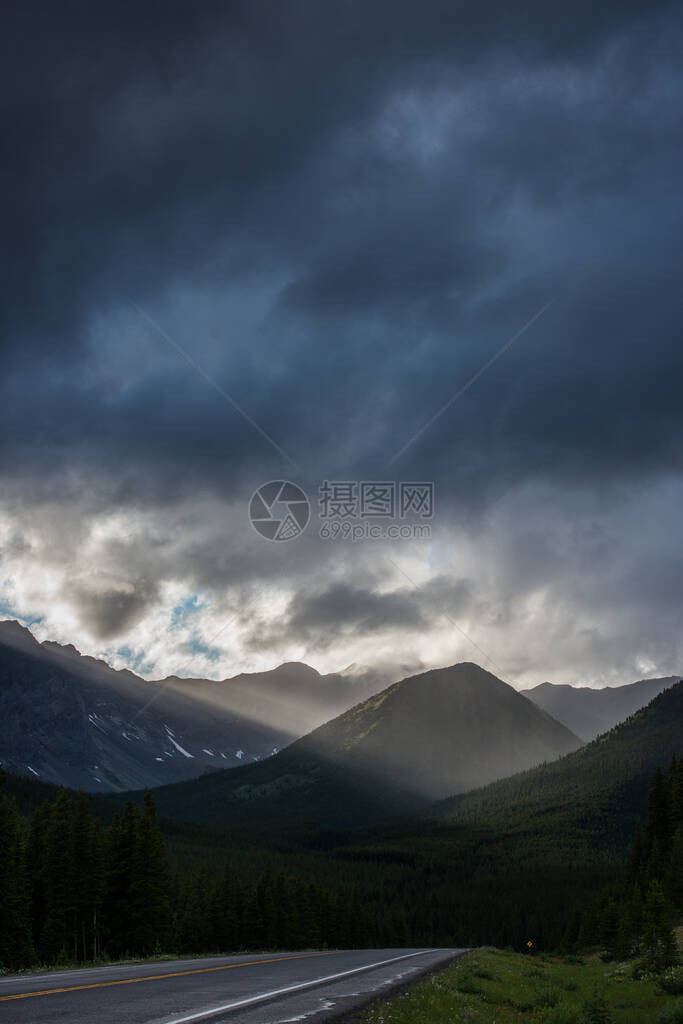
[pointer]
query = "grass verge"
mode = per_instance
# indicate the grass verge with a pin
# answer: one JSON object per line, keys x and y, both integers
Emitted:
{"x": 489, "y": 986}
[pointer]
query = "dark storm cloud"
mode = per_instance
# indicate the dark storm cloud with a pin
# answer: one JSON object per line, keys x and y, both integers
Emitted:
{"x": 341, "y": 211}
{"x": 323, "y": 615}
{"x": 108, "y": 608}
{"x": 342, "y": 606}
{"x": 226, "y": 146}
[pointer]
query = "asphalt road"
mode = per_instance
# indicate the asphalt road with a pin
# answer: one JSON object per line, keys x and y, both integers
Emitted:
{"x": 263, "y": 989}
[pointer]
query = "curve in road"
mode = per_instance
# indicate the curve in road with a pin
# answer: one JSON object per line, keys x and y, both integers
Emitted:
{"x": 265, "y": 989}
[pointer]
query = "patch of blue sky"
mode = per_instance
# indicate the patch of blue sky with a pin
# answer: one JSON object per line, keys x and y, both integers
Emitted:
{"x": 196, "y": 646}
{"x": 8, "y": 612}
{"x": 135, "y": 661}
{"x": 185, "y": 609}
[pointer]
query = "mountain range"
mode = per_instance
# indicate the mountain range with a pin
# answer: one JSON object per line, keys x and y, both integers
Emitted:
{"x": 588, "y": 712}
{"x": 434, "y": 734}
{"x": 599, "y": 789}
{"x": 510, "y": 861}
{"x": 75, "y": 721}
{"x": 498, "y": 863}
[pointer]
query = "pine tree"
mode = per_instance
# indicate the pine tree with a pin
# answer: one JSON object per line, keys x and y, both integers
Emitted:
{"x": 223, "y": 923}
{"x": 149, "y": 907}
{"x": 625, "y": 921}
{"x": 627, "y": 929}
{"x": 637, "y": 910}
{"x": 659, "y": 813}
{"x": 98, "y": 887}
{"x": 639, "y": 855}
{"x": 16, "y": 947}
{"x": 572, "y": 932}
{"x": 36, "y": 857}
{"x": 267, "y": 912}
{"x": 57, "y": 938}
{"x": 120, "y": 855}
{"x": 282, "y": 912}
{"x": 675, "y": 873}
{"x": 659, "y": 946}
{"x": 657, "y": 864}
{"x": 609, "y": 925}
{"x": 589, "y": 933}
{"x": 676, "y": 787}
{"x": 596, "y": 1010}
{"x": 82, "y": 851}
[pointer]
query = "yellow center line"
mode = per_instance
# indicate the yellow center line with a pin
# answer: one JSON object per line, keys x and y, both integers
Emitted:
{"x": 159, "y": 977}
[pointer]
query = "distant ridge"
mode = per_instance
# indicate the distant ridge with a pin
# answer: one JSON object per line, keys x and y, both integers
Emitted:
{"x": 73, "y": 720}
{"x": 432, "y": 734}
{"x": 589, "y": 712}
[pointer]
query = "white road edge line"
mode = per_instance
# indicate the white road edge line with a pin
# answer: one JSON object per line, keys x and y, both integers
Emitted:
{"x": 293, "y": 988}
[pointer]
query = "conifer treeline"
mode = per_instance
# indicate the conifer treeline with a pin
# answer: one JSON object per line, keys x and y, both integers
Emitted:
{"x": 634, "y": 918}
{"x": 73, "y": 890}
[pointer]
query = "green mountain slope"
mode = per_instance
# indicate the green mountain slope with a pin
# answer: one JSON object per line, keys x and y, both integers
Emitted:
{"x": 509, "y": 861}
{"x": 600, "y": 788}
{"x": 430, "y": 735}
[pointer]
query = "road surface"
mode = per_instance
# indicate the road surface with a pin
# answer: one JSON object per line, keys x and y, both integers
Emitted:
{"x": 270, "y": 988}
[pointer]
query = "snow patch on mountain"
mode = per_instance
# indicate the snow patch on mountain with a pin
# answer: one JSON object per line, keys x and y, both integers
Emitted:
{"x": 182, "y": 750}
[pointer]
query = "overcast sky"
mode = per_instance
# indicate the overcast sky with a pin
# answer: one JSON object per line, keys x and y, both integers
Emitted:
{"x": 341, "y": 211}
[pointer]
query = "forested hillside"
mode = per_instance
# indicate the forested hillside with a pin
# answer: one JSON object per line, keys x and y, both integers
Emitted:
{"x": 634, "y": 916}
{"x": 499, "y": 866}
{"x": 597, "y": 792}
{"x": 72, "y": 890}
